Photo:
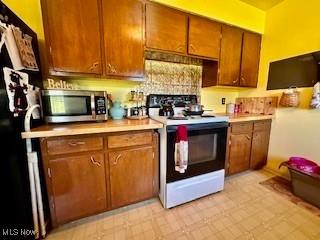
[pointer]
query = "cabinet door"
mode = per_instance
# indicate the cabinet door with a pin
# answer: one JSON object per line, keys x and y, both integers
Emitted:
{"x": 204, "y": 37}
{"x": 78, "y": 186}
{"x": 259, "y": 151}
{"x": 230, "y": 58}
{"x": 73, "y": 35}
{"x": 166, "y": 29}
{"x": 131, "y": 175}
{"x": 250, "y": 59}
{"x": 239, "y": 152}
{"x": 123, "y": 37}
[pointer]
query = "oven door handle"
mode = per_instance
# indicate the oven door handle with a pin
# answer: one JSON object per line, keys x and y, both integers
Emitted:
{"x": 201, "y": 126}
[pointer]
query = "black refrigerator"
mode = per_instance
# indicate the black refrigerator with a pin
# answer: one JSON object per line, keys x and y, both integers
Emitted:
{"x": 15, "y": 85}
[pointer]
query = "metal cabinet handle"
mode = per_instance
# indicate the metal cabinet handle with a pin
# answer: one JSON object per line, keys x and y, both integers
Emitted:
{"x": 94, "y": 161}
{"x": 243, "y": 79}
{"x": 191, "y": 47}
{"x": 94, "y": 66}
{"x": 180, "y": 47}
{"x": 248, "y": 137}
{"x": 111, "y": 68}
{"x": 235, "y": 81}
{"x": 74, "y": 144}
{"x": 115, "y": 162}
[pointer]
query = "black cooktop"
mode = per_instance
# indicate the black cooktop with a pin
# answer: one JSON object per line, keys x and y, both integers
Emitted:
{"x": 155, "y": 100}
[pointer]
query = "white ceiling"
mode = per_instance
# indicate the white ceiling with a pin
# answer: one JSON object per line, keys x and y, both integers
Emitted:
{"x": 262, "y": 4}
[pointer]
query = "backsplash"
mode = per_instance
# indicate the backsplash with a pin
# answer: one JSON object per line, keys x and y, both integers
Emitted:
{"x": 171, "y": 78}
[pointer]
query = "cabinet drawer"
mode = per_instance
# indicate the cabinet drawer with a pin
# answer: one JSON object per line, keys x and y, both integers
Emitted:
{"x": 74, "y": 145}
{"x": 128, "y": 140}
{"x": 262, "y": 125}
{"x": 241, "y": 128}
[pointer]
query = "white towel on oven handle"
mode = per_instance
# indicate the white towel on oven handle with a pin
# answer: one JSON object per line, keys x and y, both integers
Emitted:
{"x": 181, "y": 156}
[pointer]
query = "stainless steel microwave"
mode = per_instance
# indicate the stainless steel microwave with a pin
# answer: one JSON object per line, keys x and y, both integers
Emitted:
{"x": 74, "y": 106}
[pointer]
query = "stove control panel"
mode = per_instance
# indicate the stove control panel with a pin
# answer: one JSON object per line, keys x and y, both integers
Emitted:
{"x": 156, "y": 100}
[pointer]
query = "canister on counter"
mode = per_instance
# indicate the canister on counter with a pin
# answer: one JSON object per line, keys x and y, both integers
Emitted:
{"x": 230, "y": 108}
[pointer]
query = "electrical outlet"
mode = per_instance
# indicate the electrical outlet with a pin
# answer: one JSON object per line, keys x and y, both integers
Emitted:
{"x": 223, "y": 101}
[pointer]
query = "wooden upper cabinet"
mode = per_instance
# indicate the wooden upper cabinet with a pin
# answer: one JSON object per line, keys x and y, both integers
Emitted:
{"x": 250, "y": 59}
{"x": 166, "y": 29}
{"x": 240, "y": 55}
{"x": 230, "y": 58}
{"x": 131, "y": 175}
{"x": 73, "y": 35}
{"x": 204, "y": 37}
{"x": 123, "y": 23}
{"x": 78, "y": 186}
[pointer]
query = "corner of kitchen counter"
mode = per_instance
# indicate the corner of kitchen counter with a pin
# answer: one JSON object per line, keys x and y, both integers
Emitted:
{"x": 69, "y": 129}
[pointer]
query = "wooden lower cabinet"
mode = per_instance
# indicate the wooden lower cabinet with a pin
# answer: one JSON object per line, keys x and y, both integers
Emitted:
{"x": 248, "y": 146}
{"x": 78, "y": 186}
{"x": 239, "y": 154}
{"x": 260, "y": 147}
{"x": 86, "y": 179}
{"x": 131, "y": 175}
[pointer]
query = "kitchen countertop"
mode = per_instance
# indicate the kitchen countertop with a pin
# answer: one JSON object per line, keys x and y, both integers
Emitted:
{"x": 243, "y": 117}
{"x": 55, "y": 130}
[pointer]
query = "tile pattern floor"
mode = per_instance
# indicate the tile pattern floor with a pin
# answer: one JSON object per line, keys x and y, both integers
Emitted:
{"x": 283, "y": 187}
{"x": 244, "y": 210}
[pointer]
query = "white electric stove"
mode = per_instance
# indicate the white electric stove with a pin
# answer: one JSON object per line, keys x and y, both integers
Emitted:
{"x": 207, "y": 136}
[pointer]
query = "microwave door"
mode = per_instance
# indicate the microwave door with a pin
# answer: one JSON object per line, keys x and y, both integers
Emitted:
{"x": 67, "y": 108}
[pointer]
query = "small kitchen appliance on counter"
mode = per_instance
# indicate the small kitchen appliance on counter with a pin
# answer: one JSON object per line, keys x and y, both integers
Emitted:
{"x": 207, "y": 136}
{"x": 60, "y": 106}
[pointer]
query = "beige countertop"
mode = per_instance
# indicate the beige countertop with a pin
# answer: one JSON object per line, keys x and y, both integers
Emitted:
{"x": 233, "y": 118}
{"x": 55, "y": 130}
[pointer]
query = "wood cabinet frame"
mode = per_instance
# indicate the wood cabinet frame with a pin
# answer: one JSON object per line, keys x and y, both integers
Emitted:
{"x": 46, "y": 167}
{"x": 211, "y": 66}
{"x": 249, "y": 129}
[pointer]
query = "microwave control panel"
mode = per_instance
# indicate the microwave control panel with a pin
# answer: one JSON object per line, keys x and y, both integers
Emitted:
{"x": 100, "y": 103}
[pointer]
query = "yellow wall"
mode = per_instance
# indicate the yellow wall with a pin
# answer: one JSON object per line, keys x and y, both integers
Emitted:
{"x": 231, "y": 11}
{"x": 30, "y": 12}
{"x": 291, "y": 29}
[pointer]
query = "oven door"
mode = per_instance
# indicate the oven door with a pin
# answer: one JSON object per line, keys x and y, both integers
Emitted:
{"x": 206, "y": 153}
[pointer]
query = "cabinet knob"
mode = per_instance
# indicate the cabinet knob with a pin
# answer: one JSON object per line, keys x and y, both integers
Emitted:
{"x": 115, "y": 162}
{"x": 94, "y": 161}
